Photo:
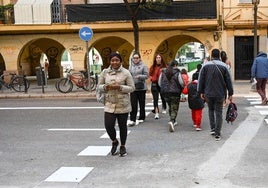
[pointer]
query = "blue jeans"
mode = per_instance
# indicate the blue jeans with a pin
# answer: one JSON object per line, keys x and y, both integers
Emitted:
{"x": 215, "y": 106}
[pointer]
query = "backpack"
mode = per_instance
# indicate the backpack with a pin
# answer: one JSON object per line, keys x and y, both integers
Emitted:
{"x": 231, "y": 113}
{"x": 180, "y": 79}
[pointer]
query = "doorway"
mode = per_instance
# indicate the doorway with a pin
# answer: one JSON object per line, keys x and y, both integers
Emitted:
{"x": 244, "y": 57}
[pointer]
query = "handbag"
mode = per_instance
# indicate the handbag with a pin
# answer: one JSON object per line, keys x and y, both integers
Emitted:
{"x": 139, "y": 85}
{"x": 231, "y": 113}
{"x": 100, "y": 95}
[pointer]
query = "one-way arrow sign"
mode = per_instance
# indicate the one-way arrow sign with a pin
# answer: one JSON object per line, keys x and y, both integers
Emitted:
{"x": 85, "y": 33}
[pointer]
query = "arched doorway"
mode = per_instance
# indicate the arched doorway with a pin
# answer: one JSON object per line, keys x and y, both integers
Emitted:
{"x": 169, "y": 48}
{"x": 30, "y": 57}
{"x": 107, "y": 45}
{"x": 2, "y": 65}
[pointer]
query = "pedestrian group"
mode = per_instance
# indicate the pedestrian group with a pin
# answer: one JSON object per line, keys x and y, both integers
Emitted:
{"x": 125, "y": 93}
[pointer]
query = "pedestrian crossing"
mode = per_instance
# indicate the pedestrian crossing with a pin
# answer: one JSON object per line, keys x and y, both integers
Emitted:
{"x": 77, "y": 174}
{"x": 256, "y": 101}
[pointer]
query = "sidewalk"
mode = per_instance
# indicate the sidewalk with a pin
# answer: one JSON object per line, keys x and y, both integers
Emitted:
{"x": 241, "y": 88}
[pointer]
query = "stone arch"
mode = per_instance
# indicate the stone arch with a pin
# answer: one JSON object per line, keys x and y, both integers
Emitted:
{"x": 110, "y": 44}
{"x": 168, "y": 47}
{"x": 2, "y": 64}
{"x": 30, "y": 54}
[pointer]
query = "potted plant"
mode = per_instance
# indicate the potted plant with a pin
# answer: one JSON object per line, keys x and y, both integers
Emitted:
{"x": 2, "y": 13}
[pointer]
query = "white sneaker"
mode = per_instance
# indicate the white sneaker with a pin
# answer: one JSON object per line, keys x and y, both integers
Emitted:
{"x": 176, "y": 123}
{"x": 140, "y": 120}
{"x": 164, "y": 111}
{"x": 131, "y": 123}
{"x": 156, "y": 116}
{"x": 171, "y": 126}
{"x": 198, "y": 129}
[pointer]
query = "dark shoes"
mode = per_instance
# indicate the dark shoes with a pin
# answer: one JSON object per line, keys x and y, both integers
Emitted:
{"x": 114, "y": 147}
{"x": 212, "y": 132}
{"x": 123, "y": 151}
{"x": 217, "y": 137}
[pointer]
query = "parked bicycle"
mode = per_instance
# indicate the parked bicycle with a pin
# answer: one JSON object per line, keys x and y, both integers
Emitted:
{"x": 17, "y": 82}
{"x": 80, "y": 79}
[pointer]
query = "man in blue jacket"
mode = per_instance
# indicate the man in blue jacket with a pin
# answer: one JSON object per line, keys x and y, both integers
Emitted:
{"x": 259, "y": 71}
{"x": 213, "y": 83}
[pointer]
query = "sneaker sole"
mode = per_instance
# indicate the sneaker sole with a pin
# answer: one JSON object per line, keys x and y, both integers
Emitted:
{"x": 212, "y": 133}
{"x": 171, "y": 127}
{"x": 123, "y": 155}
{"x": 113, "y": 154}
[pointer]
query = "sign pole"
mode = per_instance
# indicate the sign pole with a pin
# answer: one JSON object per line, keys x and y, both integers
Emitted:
{"x": 85, "y": 33}
{"x": 88, "y": 66}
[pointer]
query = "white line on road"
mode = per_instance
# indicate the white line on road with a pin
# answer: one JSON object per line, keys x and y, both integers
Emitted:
{"x": 214, "y": 171}
{"x": 50, "y": 108}
{"x": 74, "y": 129}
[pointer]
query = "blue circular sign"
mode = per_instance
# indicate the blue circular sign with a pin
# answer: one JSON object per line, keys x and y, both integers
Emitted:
{"x": 85, "y": 33}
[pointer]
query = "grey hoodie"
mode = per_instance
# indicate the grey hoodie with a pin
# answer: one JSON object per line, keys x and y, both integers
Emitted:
{"x": 140, "y": 70}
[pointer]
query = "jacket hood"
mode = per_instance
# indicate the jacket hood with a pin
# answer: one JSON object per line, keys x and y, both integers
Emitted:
{"x": 262, "y": 54}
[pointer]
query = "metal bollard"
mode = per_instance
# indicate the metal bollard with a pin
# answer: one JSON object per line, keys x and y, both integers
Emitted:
{"x": 25, "y": 83}
{"x": 96, "y": 78}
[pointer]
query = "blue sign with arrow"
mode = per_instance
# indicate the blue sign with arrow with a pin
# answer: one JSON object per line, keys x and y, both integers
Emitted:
{"x": 85, "y": 33}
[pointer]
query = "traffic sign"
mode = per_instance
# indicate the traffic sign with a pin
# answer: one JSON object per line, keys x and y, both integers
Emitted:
{"x": 85, "y": 33}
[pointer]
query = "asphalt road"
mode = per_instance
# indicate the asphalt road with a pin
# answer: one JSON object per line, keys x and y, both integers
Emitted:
{"x": 61, "y": 143}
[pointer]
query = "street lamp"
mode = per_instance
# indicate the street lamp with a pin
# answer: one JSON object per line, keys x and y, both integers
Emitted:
{"x": 255, "y": 3}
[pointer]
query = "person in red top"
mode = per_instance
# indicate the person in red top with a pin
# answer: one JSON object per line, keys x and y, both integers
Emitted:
{"x": 154, "y": 73}
{"x": 185, "y": 78}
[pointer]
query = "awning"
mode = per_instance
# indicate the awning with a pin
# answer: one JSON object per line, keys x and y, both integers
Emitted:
{"x": 42, "y": 12}
{"x": 33, "y": 12}
{"x": 23, "y": 12}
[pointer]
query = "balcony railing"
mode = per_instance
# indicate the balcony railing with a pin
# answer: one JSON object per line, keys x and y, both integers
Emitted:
{"x": 202, "y": 9}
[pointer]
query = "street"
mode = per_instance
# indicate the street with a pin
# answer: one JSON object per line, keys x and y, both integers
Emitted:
{"x": 62, "y": 143}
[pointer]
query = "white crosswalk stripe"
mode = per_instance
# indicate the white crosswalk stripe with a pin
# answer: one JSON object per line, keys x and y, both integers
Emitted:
{"x": 77, "y": 174}
{"x": 256, "y": 102}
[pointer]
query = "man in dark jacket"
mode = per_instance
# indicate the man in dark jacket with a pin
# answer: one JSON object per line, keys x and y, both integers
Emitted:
{"x": 214, "y": 80}
{"x": 259, "y": 71}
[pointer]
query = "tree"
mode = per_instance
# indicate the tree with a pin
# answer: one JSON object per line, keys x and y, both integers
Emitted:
{"x": 134, "y": 12}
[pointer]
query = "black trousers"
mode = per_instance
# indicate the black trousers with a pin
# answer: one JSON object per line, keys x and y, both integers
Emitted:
{"x": 137, "y": 98}
{"x": 109, "y": 122}
{"x": 155, "y": 90}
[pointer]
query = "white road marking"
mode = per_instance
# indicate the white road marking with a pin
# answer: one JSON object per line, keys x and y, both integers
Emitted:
{"x": 49, "y": 108}
{"x": 214, "y": 171}
{"x": 95, "y": 151}
{"x": 262, "y": 106}
{"x": 69, "y": 174}
{"x": 263, "y": 112}
{"x": 74, "y": 129}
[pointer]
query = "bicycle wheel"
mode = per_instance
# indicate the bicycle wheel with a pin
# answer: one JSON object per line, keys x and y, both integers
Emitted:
{"x": 65, "y": 85}
{"x": 86, "y": 84}
{"x": 56, "y": 85}
{"x": 19, "y": 84}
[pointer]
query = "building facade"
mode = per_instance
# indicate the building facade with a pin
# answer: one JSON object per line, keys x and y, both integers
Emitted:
{"x": 224, "y": 24}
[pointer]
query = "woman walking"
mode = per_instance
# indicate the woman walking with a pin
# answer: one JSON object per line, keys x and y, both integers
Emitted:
{"x": 139, "y": 72}
{"x": 154, "y": 73}
{"x": 117, "y": 83}
{"x": 171, "y": 90}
